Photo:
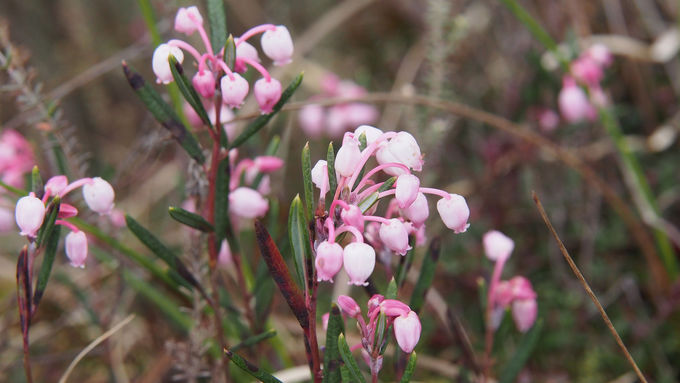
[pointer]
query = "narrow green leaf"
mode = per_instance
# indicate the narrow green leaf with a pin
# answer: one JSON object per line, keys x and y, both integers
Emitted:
{"x": 255, "y": 339}
{"x": 36, "y": 182}
{"x": 307, "y": 179}
{"x": 368, "y": 202}
{"x": 330, "y": 164}
{"x": 222, "y": 227}
{"x": 48, "y": 223}
{"x": 167, "y": 306}
{"x": 331, "y": 357}
{"x": 218, "y": 24}
{"x": 230, "y": 52}
{"x": 298, "y": 236}
{"x": 250, "y": 368}
{"x": 522, "y": 354}
{"x": 190, "y": 219}
{"x": 350, "y": 363}
{"x": 13, "y": 190}
{"x": 426, "y": 275}
{"x": 387, "y": 185}
{"x": 345, "y": 374}
{"x": 410, "y": 368}
{"x": 177, "y": 268}
{"x": 261, "y": 121}
{"x": 187, "y": 90}
{"x": 263, "y": 292}
{"x": 46, "y": 266}
{"x": 406, "y": 261}
{"x": 164, "y": 113}
{"x": 392, "y": 289}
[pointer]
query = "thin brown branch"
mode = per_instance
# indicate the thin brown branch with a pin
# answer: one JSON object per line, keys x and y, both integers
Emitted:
{"x": 587, "y": 288}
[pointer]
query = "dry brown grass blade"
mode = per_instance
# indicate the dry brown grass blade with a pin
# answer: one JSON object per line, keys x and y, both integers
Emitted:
{"x": 587, "y": 288}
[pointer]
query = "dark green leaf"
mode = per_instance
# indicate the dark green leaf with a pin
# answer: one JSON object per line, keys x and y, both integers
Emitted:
{"x": 524, "y": 349}
{"x": 261, "y": 121}
{"x": 13, "y": 190}
{"x": 36, "y": 182}
{"x": 350, "y": 363}
{"x": 368, "y": 202}
{"x": 230, "y": 52}
{"x": 392, "y": 289}
{"x": 410, "y": 367}
{"x": 250, "y": 368}
{"x": 344, "y": 373}
{"x": 46, "y": 266}
{"x": 48, "y": 223}
{"x": 307, "y": 179}
{"x": 387, "y": 185}
{"x": 331, "y": 357}
{"x": 426, "y": 275}
{"x": 218, "y": 24}
{"x": 190, "y": 219}
{"x": 330, "y": 164}
{"x": 164, "y": 114}
{"x": 299, "y": 238}
{"x": 187, "y": 89}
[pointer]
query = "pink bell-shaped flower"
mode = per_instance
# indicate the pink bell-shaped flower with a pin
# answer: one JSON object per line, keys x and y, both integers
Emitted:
{"x": 395, "y": 236}
{"x": 29, "y": 215}
{"x": 267, "y": 93}
{"x": 372, "y": 133}
{"x": 454, "y": 212}
{"x": 234, "y": 89}
{"x": 402, "y": 148}
{"x": 188, "y": 20}
{"x": 573, "y": 102}
{"x": 418, "y": 211}
{"x": 244, "y": 50}
{"x": 353, "y": 217}
{"x": 407, "y": 330}
{"x": 224, "y": 258}
{"x": 521, "y": 288}
{"x": 311, "y": 120}
{"x": 320, "y": 176}
{"x": 76, "y": 248}
{"x": 407, "y": 189}
{"x": 247, "y": 203}
{"x": 99, "y": 195}
{"x": 497, "y": 245}
{"x": 524, "y": 313}
{"x": 328, "y": 260}
{"x": 587, "y": 71}
{"x": 56, "y": 184}
{"x": 160, "y": 64}
{"x": 204, "y": 82}
{"x": 349, "y": 306}
{"x": 348, "y": 157}
{"x": 359, "y": 262}
{"x": 278, "y": 45}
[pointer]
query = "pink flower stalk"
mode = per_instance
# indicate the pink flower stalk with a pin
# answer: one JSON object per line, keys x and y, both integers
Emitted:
{"x": 278, "y": 45}
{"x": 99, "y": 195}
{"x": 29, "y": 215}
{"x": 76, "y": 248}
{"x": 407, "y": 331}
{"x": 245, "y": 52}
{"x": 247, "y": 203}
{"x": 55, "y": 185}
{"x": 329, "y": 258}
{"x": 267, "y": 93}
{"x": 359, "y": 262}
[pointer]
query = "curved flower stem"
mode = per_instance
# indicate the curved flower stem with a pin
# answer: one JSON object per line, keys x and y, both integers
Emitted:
{"x": 355, "y": 232}
{"x": 253, "y": 31}
{"x": 369, "y": 190}
{"x": 225, "y": 68}
{"x": 186, "y": 46}
{"x": 74, "y": 185}
{"x": 257, "y": 67}
{"x": 236, "y": 175}
{"x": 439, "y": 192}
{"x": 375, "y": 218}
{"x": 68, "y": 224}
{"x": 204, "y": 37}
{"x": 379, "y": 168}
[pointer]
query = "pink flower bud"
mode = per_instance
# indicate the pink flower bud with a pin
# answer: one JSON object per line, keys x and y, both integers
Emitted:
{"x": 573, "y": 102}
{"x": 587, "y": 71}
{"x": 267, "y": 93}
{"x": 348, "y": 157}
{"x": 234, "y": 89}
{"x": 99, "y": 195}
{"x": 353, "y": 217}
{"x": 328, "y": 260}
{"x": 320, "y": 176}
{"x": 600, "y": 54}
{"x": 188, "y": 20}
{"x": 349, "y": 306}
{"x": 247, "y": 203}
{"x": 311, "y": 120}
{"x": 268, "y": 164}
{"x": 324, "y": 321}
{"x": 402, "y": 148}
{"x": 359, "y": 262}
{"x": 160, "y": 65}
{"x": 502, "y": 295}
{"x": 117, "y": 218}
{"x": 395, "y": 236}
{"x": 454, "y": 212}
{"x": 224, "y": 258}
{"x": 418, "y": 211}
{"x": 372, "y": 133}
{"x": 497, "y": 245}
{"x": 247, "y": 51}
{"x": 407, "y": 331}
{"x": 278, "y": 45}
{"x": 204, "y": 82}
{"x": 407, "y": 189}
{"x": 67, "y": 211}
{"x": 393, "y": 308}
{"x": 6, "y": 220}
{"x": 29, "y": 215}
{"x": 56, "y": 184}
{"x": 521, "y": 288}
{"x": 374, "y": 303}
{"x": 76, "y": 248}
{"x": 524, "y": 313}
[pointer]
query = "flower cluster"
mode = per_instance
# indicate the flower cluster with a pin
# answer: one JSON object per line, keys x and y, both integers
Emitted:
{"x": 339, "y": 118}
{"x": 276, "y": 43}
{"x": 517, "y": 292}
{"x": 354, "y": 204}
{"x": 30, "y": 211}
{"x": 405, "y": 321}
{"x": 16, "y": 159}
{"x": 586, "y": 71}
